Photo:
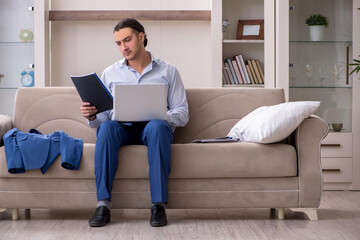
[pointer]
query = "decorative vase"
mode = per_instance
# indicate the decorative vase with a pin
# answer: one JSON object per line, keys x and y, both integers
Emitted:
{"x": 317, "y": 33}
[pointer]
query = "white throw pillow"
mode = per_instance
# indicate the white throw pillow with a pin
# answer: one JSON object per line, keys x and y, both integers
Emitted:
{"x": 271, "y": 124}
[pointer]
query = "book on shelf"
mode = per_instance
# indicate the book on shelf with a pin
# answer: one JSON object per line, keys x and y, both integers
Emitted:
{"x": 250, "y": 75}
{"x": 258, "y": 76}
{"x": 226, "y": 79}
{"x": 260, "y": 70}
{"x": 227, "y": 68}
{"x": 243, "y": 67}
{"x": 252, "y": 71}
{"x": 237, "y": 58}
{"x": 232, "y": 70}
{"x": 237, "y": 72}
{"x": 91, "y": 89}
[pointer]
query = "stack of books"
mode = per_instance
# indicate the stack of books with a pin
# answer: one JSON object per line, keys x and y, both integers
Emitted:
{"x": 238, "y": 71}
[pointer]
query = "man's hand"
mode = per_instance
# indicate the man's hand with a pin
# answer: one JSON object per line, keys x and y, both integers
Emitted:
{"x": 88, "y": 110}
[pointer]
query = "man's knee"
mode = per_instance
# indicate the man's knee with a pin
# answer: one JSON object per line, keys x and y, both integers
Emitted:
{"x": 158, "y": 126}
{"x": 157, "y": 130}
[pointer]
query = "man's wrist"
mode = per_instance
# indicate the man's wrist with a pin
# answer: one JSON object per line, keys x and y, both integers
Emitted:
{"x": 92, "y": 118}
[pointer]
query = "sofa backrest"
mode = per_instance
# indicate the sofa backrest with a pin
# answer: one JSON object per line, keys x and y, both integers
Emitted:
{"x": 213, "y": 111}
{"x": 51, "y": 109}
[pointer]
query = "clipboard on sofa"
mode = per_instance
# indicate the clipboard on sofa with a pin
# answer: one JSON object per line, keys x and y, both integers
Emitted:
{"x": 216, "y": 140}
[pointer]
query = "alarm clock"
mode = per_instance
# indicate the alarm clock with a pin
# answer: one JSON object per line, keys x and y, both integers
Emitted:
{"x": 27, "y": 78}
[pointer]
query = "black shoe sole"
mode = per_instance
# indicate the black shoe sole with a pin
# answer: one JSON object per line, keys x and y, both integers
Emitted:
{"x": 99, "y": 224}
{"x": 158, "y": 224}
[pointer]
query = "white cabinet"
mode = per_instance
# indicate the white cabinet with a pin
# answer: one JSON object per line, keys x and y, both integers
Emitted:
{"x": 21, "y": 39}
{"x": 337, "y": 161}
{"x": 318, "y": 71}
{"x": 16, "y": 49}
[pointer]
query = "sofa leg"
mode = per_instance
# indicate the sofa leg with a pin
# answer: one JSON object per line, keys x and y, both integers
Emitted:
{"x": 27, "y": 213}
{"x": 281, "y": 213}
{"x": 272, "y": 212}
{"x": 311, "y": 213}
{"x": 15, "y": 214}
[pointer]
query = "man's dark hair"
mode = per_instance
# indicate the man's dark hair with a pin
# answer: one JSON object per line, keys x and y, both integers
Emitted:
{"x": 133, "y": 24}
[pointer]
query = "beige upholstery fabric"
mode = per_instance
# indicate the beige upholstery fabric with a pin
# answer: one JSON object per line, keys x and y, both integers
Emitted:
{"x": 203, "y": 175}
{"x": 309, "y": 133}
{"x": 135, "y": 193}
{"x": 51, "y": 110}
{"x": 5, "y": 124}
{"x": 214, "y": 111}
{"x": 233, "y": 161}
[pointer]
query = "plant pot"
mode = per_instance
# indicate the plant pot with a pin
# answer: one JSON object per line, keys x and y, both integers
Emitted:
{"x": 317, "y": 33}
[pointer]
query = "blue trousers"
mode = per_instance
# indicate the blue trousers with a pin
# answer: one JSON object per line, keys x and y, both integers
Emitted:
{"x": 111, "y": 135}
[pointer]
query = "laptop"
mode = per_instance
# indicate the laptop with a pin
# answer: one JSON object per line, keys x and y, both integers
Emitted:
{"x": 140, "y": 102}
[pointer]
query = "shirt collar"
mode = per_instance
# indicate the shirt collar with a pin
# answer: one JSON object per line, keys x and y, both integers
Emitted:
{"x": 123, "y": 62}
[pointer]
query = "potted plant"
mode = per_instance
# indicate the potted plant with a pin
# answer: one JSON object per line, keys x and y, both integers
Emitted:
{"x": 317, "y": 24}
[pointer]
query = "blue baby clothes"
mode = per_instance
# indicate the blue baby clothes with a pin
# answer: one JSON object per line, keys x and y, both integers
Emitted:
{"x": 33, "y": 150}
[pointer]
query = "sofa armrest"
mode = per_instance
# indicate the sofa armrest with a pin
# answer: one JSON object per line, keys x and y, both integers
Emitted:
{"x": 5, "y": 125}
{"x": 308, "y": 138}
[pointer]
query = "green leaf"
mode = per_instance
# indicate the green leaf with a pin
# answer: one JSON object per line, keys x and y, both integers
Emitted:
{"x": 352, "y": 71}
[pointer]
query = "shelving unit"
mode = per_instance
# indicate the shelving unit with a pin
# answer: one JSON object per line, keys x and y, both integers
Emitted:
{"x": 263, "y": 50}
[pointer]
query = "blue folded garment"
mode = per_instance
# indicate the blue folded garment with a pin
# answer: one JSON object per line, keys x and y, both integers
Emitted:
{"x": 33, "y": 150}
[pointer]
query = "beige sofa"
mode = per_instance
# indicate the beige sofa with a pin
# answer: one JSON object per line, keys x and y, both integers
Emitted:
{"x": 213, "y": 175}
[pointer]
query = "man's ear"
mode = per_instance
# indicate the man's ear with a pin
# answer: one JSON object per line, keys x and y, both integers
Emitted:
{"x": 142, "y": 37}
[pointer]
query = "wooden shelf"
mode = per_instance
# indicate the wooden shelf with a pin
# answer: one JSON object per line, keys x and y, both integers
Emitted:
{"x": 242, "y": 41}
{"x": 204, "y": 15}
{"x": 244, "y": 85}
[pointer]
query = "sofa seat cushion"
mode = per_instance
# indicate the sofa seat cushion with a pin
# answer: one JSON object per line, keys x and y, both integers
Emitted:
{"x": 191, "y": 160}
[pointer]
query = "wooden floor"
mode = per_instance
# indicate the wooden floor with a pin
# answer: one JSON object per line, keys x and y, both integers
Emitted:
{"x": 339, "y": 218}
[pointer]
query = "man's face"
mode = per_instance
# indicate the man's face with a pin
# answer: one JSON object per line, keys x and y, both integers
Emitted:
{"x": 129, "y": 42}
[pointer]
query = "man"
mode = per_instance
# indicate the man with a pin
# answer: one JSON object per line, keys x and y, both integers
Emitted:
{"x": 137, "y": 67}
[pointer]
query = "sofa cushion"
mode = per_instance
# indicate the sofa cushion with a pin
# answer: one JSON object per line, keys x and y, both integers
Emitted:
{"x": 269, "y": 124}
{"x": 192, "y": 160}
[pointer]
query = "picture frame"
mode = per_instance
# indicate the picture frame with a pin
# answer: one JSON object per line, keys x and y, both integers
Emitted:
{"x": 250, "y": 29}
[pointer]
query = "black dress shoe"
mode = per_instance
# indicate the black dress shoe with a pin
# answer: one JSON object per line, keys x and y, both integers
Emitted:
{"x": 158, "y": 216}
{"x": 100, "y": 218}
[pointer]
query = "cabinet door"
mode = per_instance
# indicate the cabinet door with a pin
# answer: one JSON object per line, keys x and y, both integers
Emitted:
{"x": 319, "y": 57}
{"x": 16, "y": 49}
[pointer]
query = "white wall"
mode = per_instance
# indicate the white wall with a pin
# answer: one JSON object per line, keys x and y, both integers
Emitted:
{"x": 81, "y": 47}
